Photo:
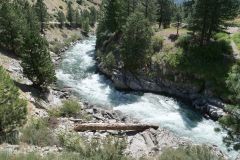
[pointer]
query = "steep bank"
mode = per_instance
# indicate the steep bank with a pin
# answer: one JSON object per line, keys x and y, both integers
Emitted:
{"x": 78, "y": 72}
{"x": 159, "y": 78}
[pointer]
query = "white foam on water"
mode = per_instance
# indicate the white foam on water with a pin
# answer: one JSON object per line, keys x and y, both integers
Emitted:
{"x": 78, "y": 72}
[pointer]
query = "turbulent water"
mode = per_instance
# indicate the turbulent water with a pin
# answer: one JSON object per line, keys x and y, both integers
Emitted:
{"x": 78, "y": 71}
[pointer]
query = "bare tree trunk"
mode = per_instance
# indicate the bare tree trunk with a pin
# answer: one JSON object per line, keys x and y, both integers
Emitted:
{"x": 114, "y": 126}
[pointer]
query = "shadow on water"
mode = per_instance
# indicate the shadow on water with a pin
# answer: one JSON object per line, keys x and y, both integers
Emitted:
{"x": 118, "y": 98}
{"x": 190, "y": 116}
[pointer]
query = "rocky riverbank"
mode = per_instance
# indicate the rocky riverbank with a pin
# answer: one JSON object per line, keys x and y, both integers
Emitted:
{"x": 147, "y": 143}
{"x": 187, "y": 92}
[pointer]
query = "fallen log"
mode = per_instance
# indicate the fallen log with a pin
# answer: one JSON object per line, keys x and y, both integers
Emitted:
{"x": 113, "y": 126}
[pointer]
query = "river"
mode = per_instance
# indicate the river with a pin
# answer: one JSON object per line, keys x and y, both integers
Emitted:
{"x": 78, "y": 71}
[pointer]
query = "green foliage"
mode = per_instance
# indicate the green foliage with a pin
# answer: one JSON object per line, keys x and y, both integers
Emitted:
{"x": 79, "y": 2}
{"x": 36, "y": 61}
{"x": 77, "y": 19}
{"x": 93, "y": 16}
{"x": 208, "y": 17}
{"x": 13, "y": 110}
{"x": 78, "y": 149}
{"x": 157, "y": 43}
{"x": 236, "y": 39}
{"x": 208, "y": 62}
{"x": 137, "y": 35}
{"x": 114, "y": 17}
{"x": 189, "y": 153}
{"x": 86, "y": 27}
{"x": 61, "y": 18}
{"x": 12, "y": 26}
{"x": 41, "y": 10}
{"x": 70, "y": 108}
{"x": 106, "y": 149}
{"x": 70, "y": 14}
{"x": 164, "y": 12}
{"x": 232, "y": 123}
{"x": 184, "y": 41}
{"x": 110, "y": 60}
{"x": 233, "y": 81}
{"x": 38, "y": 133}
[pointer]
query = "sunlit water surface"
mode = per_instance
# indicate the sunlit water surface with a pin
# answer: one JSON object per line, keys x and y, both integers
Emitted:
{"x": 78, "y": 71}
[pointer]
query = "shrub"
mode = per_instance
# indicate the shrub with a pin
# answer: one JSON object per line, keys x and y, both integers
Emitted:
{"x": 70, "y": 108}
{"x": 13, "y": 110}
{"x": 106, "y": 149}
{"x": 189, "y": 153}
{"x": 232, "y": 123}
{"x": 38, "y": 133}
{"x": 184, "y": 41}
{"x": 109, "y": 60}
{"x": 233, "y": 81}
{"x": 157, "y": 43}
{"x": 236, "y": 39}
{"x": 221, "y": 36}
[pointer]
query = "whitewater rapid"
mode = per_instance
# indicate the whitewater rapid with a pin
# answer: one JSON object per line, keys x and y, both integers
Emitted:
{"x": 78, "y": 71}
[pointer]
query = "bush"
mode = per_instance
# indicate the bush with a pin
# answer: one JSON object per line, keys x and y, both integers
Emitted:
{"x": 38, "y": 133}
{"x": 236, "y": 39}
{"x": 232, "y": 123}
{"x": 157, "y": 43}
{"x": 221, "y": 36}
{"x": 70, "y": 108}
{"x": 13, "y": 110}
{"x": 233, "y": 81}
{"x": 184, "y": 41}
{"x": 109, "y": 60}
{"x": 106, "y": 149}
{"x": 189, "y": 153}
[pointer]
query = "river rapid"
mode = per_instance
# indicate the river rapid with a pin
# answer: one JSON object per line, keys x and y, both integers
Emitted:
{"x": 78, "y": 71}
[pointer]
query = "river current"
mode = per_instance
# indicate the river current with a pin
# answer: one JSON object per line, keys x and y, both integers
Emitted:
{"x": 78, "y": 71}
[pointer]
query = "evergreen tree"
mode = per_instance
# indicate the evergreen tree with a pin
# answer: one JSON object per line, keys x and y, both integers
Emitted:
{"x": 12, "y": 26}
{"x": 86, "y": 27}
{"x": 77, "y": 18}
{"x": 61, "y": 18}
{"x": 41, "y": 10}
{"x": 93, "y": 16}
{"x": 136, "y": 41}
{"x": 164, "y": 12}
{"x": 149, "y": 9}
{"x": 114, "y": 17}
{"x": 210, "y": 15}
{"x": 13, "y": 110}
{"x": 70, "y": 14}
{"x": 33, "y": 24}
{"x": 36, "y": 61}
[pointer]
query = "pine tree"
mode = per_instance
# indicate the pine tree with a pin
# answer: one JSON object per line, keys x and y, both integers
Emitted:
{"x": 136, "y": 41}
{"x": 77, "y": 19}
{"x": 12, "y": 26}
{"x": 86, "y": 27}
{"x": 164, "y": 12}
{"x": 93, "y": 16}
{"x": 149, "y": 9}
{"x": 13, "y": 110}
{"x": 41, "y": 10}
{"x": 61, "y": 18}
{"x": 114, "y": 17}
{"x": 33, "y": 24}
{"x": 36, "y": 61}
{"x": 210, "y": 15}
{"x": 70, "y": 14}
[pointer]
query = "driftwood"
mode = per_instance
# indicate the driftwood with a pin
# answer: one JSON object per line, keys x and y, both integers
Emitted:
{"x": 113, "y": 126}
